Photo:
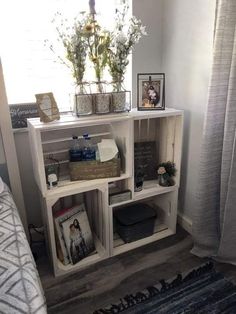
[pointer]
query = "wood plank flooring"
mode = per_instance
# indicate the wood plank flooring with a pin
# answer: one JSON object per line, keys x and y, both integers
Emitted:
{"x": 105, "y": 282}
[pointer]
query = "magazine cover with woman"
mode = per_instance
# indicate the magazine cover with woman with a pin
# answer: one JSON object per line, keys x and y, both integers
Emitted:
{"x": 78, "y": 236}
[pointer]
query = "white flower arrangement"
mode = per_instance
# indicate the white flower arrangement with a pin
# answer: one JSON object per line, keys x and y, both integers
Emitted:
{"x": 74, "y": 40}
{"x": 86, "y": 40}
{"x": 126, "y": 33}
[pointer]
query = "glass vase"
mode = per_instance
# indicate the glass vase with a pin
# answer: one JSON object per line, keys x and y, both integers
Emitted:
{"x": 83, "y": 104}
{"x": 102, "y": 103}
{"x": 121, "y": 101}
{"x": 162, "y": 181}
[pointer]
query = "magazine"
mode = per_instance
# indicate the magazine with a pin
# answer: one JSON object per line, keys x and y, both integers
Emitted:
{"x": 59, "y": 217}
{"x": 78, "y": 236}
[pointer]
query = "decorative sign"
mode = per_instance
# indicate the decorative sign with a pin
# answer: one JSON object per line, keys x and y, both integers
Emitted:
{"x": 20, "y": 112}
{"x": 145, "y": 159}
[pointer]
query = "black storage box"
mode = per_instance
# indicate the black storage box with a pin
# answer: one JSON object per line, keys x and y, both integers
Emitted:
{"x": 135, "y": 222}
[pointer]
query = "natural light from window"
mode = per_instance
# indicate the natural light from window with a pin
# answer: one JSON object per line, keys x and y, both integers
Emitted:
{"x": 29, "y": 65}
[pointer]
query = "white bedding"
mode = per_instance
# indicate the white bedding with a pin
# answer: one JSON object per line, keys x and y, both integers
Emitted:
{"x": 20, "y": 286}
{"x": 1, "y": 185}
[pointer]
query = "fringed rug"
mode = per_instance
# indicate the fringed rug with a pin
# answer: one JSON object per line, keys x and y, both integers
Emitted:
{"x": 202, "y": 291}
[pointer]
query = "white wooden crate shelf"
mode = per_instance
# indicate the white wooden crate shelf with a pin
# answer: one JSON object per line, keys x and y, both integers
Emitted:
{"x": 55, "y": 139}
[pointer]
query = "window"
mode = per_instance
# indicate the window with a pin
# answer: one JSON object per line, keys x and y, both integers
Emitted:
{"x": 29, "y": 66}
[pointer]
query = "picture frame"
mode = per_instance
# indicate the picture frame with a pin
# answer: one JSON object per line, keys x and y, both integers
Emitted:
{"x": 151, "y": 91}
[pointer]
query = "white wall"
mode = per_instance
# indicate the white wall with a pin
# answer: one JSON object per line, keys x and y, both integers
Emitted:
{"x": 148, "y": 52}
{"x": 179, "y": 43}
{"x": 187, "y": 42}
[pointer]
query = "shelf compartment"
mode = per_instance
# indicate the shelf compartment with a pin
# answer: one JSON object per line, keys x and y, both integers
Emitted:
{"x": 162, "y": 140}
{"x": 66, "y": 186}
{"x": 151, "y": 188}
{"x": 165, "y": 224}
{"x": 115, "y": 189}
{"x": 50, "y": 142}
{"x": 96, "y": 206}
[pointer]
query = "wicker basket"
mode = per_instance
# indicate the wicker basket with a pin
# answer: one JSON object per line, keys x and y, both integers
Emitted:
{"x": 89, "y": 170}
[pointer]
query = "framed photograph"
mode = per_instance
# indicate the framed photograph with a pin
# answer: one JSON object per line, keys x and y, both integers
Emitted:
{"x": 151, "y": 91}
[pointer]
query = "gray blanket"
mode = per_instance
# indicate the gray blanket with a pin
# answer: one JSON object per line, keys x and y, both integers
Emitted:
{"x": 20, "y": 286}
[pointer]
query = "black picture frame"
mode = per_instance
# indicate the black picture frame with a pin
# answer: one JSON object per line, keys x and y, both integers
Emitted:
{"x": 151, "y": 91}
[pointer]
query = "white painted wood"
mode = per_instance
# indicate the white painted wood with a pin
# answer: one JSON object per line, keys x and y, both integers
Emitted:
{"x": 164, "y": 127}
{"x": 70, "y": 138}
{"x": 117, "y": 241}
{"x": 137, "y": 115}
{"x": 151, "y": 188}
{"x": 133, "y": 245}
{"x": 10, "y": 153}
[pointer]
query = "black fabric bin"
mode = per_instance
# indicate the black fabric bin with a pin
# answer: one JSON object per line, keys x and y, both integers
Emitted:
{"x": 135, "y": 222}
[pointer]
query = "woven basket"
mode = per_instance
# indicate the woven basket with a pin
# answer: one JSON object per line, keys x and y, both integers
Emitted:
{"x": 89, "y": 170}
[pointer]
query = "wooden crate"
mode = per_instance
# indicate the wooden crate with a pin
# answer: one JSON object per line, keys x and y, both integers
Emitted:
{"x": 89, "y": 170}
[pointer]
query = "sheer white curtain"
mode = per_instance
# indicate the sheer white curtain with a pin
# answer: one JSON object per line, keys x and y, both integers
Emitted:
{"x": 29, "y": 66}
{"x": 214, "y": 221}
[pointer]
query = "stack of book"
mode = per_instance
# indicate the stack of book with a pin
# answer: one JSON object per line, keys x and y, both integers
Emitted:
{"x": 73, "y": 234}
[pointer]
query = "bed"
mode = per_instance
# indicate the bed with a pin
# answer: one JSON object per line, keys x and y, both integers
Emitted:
{"x": 20, "y": 286}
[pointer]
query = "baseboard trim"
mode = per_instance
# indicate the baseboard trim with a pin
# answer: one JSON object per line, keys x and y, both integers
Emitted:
{"x": 185, "y": 222}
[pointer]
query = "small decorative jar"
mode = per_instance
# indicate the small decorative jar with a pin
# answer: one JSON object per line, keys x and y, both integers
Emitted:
{"x": 102, "y": 103}
{"x": 52, "y": 175}
{"x": 138, "y": 179}
{"x": 119, "y": 101}
{"x": 163, "y": 180}
{"x": 83, "y": 104}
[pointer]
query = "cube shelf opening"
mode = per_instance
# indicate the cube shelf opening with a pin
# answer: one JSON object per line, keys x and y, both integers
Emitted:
{"x": 165, "y": 222}
{"x": 56, "y": 144}
{"x": 88, "y": 209}
{"x": 156, "y": 140}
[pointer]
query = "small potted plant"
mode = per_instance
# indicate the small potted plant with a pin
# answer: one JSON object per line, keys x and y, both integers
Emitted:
{"x": 126, "y": 33}
{"x": 165, "y": 173}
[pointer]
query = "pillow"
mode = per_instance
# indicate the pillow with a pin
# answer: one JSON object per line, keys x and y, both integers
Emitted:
{"x": 1, "y": 185}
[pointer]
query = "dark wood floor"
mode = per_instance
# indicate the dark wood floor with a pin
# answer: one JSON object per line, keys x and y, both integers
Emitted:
{"x": 106, "y": 282}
